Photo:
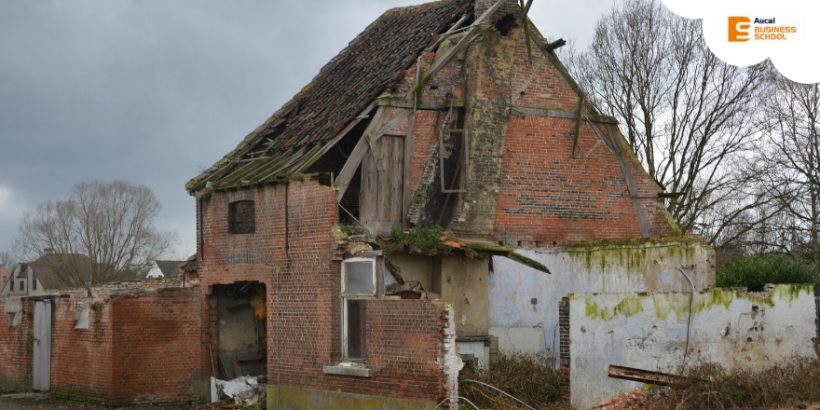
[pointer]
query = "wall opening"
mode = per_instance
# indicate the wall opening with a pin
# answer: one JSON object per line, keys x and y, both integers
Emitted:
{"x": 505, "y": 24}
{"x": 241, "y": 330}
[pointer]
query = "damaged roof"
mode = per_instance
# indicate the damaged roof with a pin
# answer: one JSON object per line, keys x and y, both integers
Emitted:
{"x": 304, "y": 128}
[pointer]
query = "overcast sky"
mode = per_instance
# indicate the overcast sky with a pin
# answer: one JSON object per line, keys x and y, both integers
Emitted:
{"x": 152, "y": 92}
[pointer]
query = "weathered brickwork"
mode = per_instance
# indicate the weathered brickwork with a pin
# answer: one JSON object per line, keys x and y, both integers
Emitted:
{"x": 15, "y": 365}
{"x": 82, "y": 366}
{"x": 140, "y": 346}
{"x": 291, "y": 252}
{"x": 155, "y": 347}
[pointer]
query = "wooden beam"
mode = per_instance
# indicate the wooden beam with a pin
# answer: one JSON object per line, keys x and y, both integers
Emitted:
{"x": 355, "y": 159}
{"x": 458, "y": 48}
{"x": 336, "y": 138}
{"x": 543, "y": 112}
{"x": 407, "y": 194}
{"x": 646, "y": 376}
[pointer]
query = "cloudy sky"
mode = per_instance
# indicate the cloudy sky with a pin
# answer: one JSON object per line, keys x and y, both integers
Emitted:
{"x": 152, "y": 92}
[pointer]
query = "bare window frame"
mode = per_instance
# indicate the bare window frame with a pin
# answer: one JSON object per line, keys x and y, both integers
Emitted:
{"x": 246, "y": 209}
{"x": 346, "y": 296}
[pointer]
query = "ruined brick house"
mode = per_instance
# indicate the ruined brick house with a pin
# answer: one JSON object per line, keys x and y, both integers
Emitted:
{"x": 320, "y": 263}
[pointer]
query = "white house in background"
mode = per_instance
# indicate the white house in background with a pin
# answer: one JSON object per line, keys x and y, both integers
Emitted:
{"x": 164, "y": 269}
{"x": 43, "y": 275}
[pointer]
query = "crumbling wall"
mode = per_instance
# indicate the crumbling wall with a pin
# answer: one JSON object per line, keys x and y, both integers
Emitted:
{"x": 82, "y": 359}
{"x": 292, "y": 252}
{"x": 121, "y": 346}
{"x": 737, "y": 330}
{"x": 523, "y": 307}
{"x": 15, "y": 334}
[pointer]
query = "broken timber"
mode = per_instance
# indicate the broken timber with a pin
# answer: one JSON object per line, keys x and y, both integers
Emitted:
{"x": 646, "y": 376}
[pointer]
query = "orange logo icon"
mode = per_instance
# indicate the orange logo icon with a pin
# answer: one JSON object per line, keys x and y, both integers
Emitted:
{"x": 739, "y": 28}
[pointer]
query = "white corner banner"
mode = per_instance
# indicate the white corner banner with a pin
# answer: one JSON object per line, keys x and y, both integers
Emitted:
{"x": 746, "y": 32}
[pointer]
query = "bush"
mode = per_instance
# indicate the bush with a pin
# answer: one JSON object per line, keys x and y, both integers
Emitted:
{"x": 757, "y": 271}
{"x": 521, "y": 376}
{"x": 795, "y": 383}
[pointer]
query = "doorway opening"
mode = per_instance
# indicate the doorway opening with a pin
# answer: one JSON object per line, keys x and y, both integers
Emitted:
{"x": 240, "y": 330}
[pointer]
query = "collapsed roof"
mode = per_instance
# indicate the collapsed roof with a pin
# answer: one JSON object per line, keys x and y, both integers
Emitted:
{"x": 308, "y": 125}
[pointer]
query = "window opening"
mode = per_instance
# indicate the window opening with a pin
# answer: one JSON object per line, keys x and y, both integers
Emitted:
{"x": 241, "y": 217}
{"x": 358, "y": 284}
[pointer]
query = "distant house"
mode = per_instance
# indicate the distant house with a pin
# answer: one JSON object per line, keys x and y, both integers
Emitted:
{"x": 45, "y": 274}
{"x": 164, "y": 269}
{"x": 4, "y": 276}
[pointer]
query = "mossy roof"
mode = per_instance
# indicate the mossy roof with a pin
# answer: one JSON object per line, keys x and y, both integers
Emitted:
{"x": 296, "y": 134}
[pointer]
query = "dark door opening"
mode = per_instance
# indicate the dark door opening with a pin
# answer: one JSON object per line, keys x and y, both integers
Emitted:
{"x": 241, "y": 330}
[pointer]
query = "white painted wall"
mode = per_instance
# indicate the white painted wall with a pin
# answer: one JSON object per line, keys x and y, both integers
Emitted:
{"x": 734, "y": 329}
{"x": 531, "y": 326}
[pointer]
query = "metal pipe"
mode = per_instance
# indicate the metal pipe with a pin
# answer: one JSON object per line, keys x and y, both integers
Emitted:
{"x": 689, "y": 319}
{"x": 496, "y": 389}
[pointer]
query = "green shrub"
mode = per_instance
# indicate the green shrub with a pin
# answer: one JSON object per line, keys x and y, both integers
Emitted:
{"x": 755, "y": 272}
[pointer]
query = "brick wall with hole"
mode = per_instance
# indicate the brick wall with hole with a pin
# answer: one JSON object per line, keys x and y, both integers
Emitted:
{"x": 292, "y": 253}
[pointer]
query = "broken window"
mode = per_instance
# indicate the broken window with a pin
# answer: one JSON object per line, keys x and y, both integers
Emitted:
{"x": 358, "y": 283}
{"x": 241, "y": 217}
{"x": 22, "y": 285}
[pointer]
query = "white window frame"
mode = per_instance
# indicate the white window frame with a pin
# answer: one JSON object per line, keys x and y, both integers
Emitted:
{"x": 346, "y": 296}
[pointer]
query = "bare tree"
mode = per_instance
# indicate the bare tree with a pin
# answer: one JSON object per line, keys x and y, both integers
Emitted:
{"x": 7, "y": 260}
{"x": 686, "y": 114}
{"x": 109, "y": 223}
{"x": 793, "y": 126}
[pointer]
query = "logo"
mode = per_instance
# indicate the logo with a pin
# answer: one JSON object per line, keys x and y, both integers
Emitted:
{"x": 739, "y": 28}
{"x": 742, "y": 28}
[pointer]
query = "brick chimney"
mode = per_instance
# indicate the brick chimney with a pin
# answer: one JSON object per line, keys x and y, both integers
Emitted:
{"x": 508, "y": 7}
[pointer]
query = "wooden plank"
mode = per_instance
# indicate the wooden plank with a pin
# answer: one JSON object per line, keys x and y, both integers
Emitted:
{"x": 407, "y": 193}
{"x": 646, "y": 376}
{"x": 395, "y": 171}
{"x": 359, "y": 151}
{"x": 368, "y": 194}
{"x": 345, "y": 176}
{"x": 643, "y": 223}
{"x": 458, "y": 48}
{"x": 339, "y": 135}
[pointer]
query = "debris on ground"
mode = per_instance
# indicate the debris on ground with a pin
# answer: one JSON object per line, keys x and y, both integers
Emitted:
{"x": 244, "y": 390}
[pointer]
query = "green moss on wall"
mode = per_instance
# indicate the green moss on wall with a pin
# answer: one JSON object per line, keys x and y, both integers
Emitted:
{"x": 628, "y": 306}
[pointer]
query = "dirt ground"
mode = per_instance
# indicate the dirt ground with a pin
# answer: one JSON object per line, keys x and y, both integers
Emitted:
{"x": 38, "y": 401}
{"x": 33, "y": 401}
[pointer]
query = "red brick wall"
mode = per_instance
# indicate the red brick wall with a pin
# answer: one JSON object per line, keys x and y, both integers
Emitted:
{"x": 303, "y": 285}
{"x": 15, "y": 358}
{"x": 142, "y": 346}
{"x": 81, "y": 359}
{"x": 156, "y": 345}
{"x": 546, "y": 196}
